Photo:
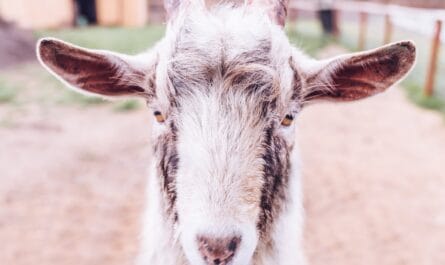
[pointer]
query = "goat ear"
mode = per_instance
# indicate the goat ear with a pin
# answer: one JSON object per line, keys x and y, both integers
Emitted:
{"x": 359, "y": 75}
{"x": 98, "y": 72}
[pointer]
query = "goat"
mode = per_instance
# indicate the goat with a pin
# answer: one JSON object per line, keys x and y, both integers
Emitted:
{"x": 225, "y": 86}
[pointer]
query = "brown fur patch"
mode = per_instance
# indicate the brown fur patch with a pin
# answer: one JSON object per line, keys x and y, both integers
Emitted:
{"x": 165, "y": 151}
{"x": 276, "y": 177}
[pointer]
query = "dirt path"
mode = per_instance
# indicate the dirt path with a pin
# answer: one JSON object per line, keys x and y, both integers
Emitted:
{"x": 374, "y": 183}
{"x": 72, "y": 184}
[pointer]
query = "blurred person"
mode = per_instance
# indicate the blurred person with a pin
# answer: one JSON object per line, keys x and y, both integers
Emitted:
{"x": 86, "y": 12}
{"x": 326, "y": 14}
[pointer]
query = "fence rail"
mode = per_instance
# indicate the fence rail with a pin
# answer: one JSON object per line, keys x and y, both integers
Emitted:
{"x": 389, "y": 12}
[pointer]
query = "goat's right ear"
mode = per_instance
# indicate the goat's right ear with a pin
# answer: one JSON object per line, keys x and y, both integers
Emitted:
{"x": 94, "y": 71}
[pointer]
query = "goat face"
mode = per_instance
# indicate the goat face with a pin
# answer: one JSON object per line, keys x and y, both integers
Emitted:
{"x": 222, "y": 148}
{"x": 224, "y": 86}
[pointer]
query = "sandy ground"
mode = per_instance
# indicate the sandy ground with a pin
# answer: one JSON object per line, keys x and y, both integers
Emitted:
{"x": 72, "y": 183}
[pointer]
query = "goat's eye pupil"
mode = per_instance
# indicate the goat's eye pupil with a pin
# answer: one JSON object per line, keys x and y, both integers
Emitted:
{"x": 159, "y": 117}
{"x": 287, "y": 121}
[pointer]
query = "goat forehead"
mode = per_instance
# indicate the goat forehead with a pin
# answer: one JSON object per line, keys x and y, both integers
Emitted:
{"x": 223, "y": 130}
{"x": 215, "y": 113}
{"x": 216, "y": 62}
{"x": 221, "y": 36}
{"x": 215, "y": 55}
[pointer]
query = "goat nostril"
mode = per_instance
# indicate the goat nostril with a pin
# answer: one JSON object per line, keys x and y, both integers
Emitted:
{"x": 233, "y": 244}
{"x": 218, "y": 251}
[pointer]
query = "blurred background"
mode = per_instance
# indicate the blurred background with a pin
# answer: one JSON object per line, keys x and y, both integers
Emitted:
{"x": 72, "y": 168}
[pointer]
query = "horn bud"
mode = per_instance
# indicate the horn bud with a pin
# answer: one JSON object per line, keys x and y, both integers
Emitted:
{"x": 276, "y": 9}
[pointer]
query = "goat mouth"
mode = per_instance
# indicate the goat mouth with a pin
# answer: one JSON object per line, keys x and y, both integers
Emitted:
{"x": 224, "y": 261}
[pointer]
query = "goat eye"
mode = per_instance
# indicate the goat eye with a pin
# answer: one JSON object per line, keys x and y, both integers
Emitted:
{"x": 287, "y": 121}
{"x": 159, "y": 117}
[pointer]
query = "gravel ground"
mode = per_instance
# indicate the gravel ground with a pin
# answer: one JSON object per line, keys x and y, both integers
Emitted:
{"x": 72, "y": 183}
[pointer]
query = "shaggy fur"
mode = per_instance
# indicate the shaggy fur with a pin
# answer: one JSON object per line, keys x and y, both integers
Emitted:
{"x": 225, "y": 169}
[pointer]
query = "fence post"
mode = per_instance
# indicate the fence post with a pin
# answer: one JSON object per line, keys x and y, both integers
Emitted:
{"x": 388, "y": 29}
{"x": 362, "y": 30}
{"x": 431, "y": 72}
{"x": 149, "y": 11}
{"x": 337, "y": 30}
{"x": 293, "y": 17}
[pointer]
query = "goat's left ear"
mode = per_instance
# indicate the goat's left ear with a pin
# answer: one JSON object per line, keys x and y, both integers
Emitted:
{"x": 93, "y": 71}
{"x": 360, "y": 75}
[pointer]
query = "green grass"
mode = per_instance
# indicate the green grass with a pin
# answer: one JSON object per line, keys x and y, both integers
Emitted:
{"x": 308, "y": 36}
{"x": 124, "y": 40}
{"x": 415, "y": 93}
{"x": 126, "y": 105}
{"x": 70, "y": 97}
{"x": 7, "y": 92}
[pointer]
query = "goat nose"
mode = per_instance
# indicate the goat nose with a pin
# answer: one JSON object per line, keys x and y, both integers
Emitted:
{"x": 218, "y": 251}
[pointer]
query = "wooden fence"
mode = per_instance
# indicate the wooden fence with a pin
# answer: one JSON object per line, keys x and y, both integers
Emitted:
{"x": 364, "y": 9}
{"x": 33, "y": 14}
{"x": 44, "y": 14}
